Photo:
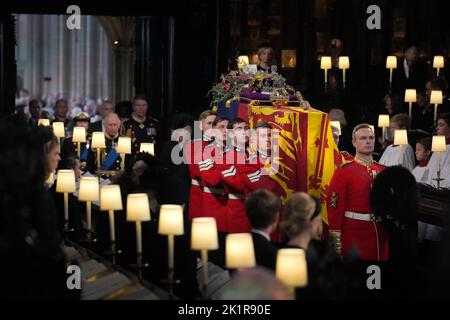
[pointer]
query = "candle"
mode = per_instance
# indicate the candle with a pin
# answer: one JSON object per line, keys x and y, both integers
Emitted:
{"x": 410, "y": 97}
{"x": 438, "y": 145}
{"x": 438, "y": 63}
{"x": 111, "y": 200}
{"x": 291, "y": 268}
{"x": 383, "y": 122}
{"x": 98, "y": 142}
{"x": 138, "y": 210}
{"x": 325, "y": 64}
{"x": 123, "y": 147}
{"x": 391, "y": 64}
{"x": 401, "y": 139}
{"x": 171, "y": 224}
{"x": 204, "y": 238}
{"x": 344, "y": 64}
{"x": 436, "y": 99}
{"x": 44, "y": 122}
{"x": 148, "y": 147}
{"x": 65, "y": 183}
{"x": 89, "y": 191}
{"x": 79, "y": 136}
{"x": 239, "y": 251}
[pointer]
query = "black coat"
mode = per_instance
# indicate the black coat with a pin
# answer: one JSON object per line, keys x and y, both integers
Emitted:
{"x": 265, "y": 251}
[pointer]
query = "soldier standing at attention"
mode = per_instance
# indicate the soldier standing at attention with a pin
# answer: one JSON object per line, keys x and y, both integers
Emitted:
{"x": 351, "y": 219}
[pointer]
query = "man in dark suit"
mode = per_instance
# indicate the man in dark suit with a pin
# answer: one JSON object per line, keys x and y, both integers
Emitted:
{"x": 410, "y": 74}
{"x": 262, "y": 207}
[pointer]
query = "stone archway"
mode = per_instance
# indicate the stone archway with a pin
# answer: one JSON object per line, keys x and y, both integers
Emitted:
{"x": 121, "y": 34}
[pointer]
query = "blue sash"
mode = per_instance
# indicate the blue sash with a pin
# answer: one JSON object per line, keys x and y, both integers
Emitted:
{"x": 110, "y": 159}
{"x": 84, "y": 155}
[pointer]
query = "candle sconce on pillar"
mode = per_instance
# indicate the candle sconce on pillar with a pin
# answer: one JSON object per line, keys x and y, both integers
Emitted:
{"x": 65, "y": 183}
{"x": 171, "y": 224}
{"x": 438, "y": 145}
{"x": 138, "y": 210}
{"x": 391, "y": 64}
{"x": 111, "y": 200}
{"x": 89, "y": 192}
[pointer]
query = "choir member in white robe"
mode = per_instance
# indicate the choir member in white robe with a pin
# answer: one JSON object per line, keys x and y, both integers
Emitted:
{"x": 423, "y": 154}
{"x": 443, "y": 129}
{"x": 392, "y": 156}
{"x": 396, "y": 155}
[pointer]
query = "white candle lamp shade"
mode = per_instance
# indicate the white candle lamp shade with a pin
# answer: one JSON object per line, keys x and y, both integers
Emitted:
{"x": 436, "y": 97}
{"x": 243, "y": 61}
{"x": 391, "y": 62}
{"x": 58, "y": 129}
{"x": 147, "y": 147}
{"x": 89, "y": 189}
{"x": 98, "y": 140}
{"x": 239, "y": 251}
{"x": 110, "y": 198}
{"x": 79, "y": 134}
{"x": 171, "y": 220}
{"x": 438, "y": 144}
{"x": 383, "y": 121}
{"x": 438, "y": 62}
{"x": 400, "y": 137}
{"x": 337, "y": 125}
{"x": 410, "y": 95}
{"x": 325, "y": 63}
{"x": 291, "y": 268}
{"x": 138, "y": 208}
{"x": 124, "y": 145}
{"x": 65, "y": 181}
{"x": 44, "y": 122}
{"x": 344, "y": 62}
{"x": 204, "y": 234}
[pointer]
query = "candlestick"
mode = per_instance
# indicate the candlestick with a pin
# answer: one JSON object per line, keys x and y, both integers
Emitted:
{"x": 344, "y": 64}
{"x": 65, "y": 184}
{"x": 111, "y": 200}
{"x": 438, "y": 145}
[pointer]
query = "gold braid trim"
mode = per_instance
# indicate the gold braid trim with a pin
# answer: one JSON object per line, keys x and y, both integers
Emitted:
{"x": 337, "y": 235}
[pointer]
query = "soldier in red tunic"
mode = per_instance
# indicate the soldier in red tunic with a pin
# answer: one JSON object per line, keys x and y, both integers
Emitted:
{"x": 350, "y": 216}
{"x": 214, "y": 194}
{"x": 193, "y": 155}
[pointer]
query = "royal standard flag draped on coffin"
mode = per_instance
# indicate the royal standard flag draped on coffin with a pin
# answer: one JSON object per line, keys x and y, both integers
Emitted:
{"x": 304, "y": 150}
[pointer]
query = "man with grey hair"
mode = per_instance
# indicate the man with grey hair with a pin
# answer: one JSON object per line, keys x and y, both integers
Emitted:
{"x": 411, "y": 72}
{"x": 111, "y": 159}
{"x": 106, "y": 108}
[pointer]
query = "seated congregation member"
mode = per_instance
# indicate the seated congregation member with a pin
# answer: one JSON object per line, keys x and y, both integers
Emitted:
{"x": 111, "y": 159}
{"x": 301, "y": 221}
{"x": 302, "y": 225}
{"x": 442, "y": 129}
{"x": 33, "y": 262}
{"x": 140, "y": 127}
{"x": 106, "y": 108}
{"x": 423, "y": 154}
{"x": 255, "y": 284}
{"x": 262, "y": 207}
{"x": 69, "y": 149}
{"x": 393, "y": 156}
{"x": 193, "y": 153}
{"x": 395, "y": 199}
